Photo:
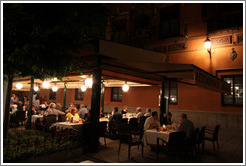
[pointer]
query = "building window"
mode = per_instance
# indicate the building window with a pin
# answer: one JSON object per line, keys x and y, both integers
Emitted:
{"x": 169, "y": 22}
{"x": 171, "y": 91}
{"x": 52, "y": 95}
{"x": 235, "y": 98}
{"x": 116, "y": 94}
{"x": 79, "y": 95}
{"x": 119, "y": 30}
{"x": 222, "y": 15}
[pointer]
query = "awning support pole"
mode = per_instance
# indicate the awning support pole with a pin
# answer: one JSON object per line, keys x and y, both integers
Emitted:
{"x": 162, "y": 102}
{"x": 65, "y": 96}
{"x": 30, "y": 104}
{"x": 102, "y": 97}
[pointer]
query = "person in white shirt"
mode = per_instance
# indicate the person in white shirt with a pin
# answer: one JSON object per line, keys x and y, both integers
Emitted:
{"x": 139, "y": 113}
{"x": 148, "y": 112}
{"x": 152, "y": 122}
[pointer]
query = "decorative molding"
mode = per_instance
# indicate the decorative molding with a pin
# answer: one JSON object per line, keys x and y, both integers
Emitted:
{"x": 177, "y": 47}
{"x": 221, "y": 40}
{"x": 239, "y": 38}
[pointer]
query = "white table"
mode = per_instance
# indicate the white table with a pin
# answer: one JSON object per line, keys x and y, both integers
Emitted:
{"x": 67, "y": 125}
{"x": 103, "y": 120}
{"x": 150, "y": 136}
{"x": 35, "y": 117}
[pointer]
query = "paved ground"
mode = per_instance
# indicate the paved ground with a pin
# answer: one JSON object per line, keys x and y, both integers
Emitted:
{"x": 231, "y": 151}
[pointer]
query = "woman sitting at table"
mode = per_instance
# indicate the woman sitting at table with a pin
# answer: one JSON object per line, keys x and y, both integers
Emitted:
{"x": 34, "y": 112}
{"x": 152, "y": 122}
{"x": 168, "y": 119}
{"x": 73, "y": 115}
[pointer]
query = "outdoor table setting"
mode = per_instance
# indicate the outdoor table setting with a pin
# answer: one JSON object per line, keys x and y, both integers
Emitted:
{"x": 67, "y": 125}
{"x": 34, "y": 119}
{"x": 150, "y": 136}
{"x": 104, "y": 119}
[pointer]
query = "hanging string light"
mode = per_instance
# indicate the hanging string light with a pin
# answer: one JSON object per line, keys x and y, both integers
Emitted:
{"x": 88, "y": 82}
{"x": 83, "y": 88}
{"x": 19, "y": 85}
{"x": 54, "y": 88}
{"x": 125, "y": 87}
{"x": 46, "y": 84}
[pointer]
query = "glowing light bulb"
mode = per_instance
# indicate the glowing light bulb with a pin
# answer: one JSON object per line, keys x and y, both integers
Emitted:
{"x": 83, "y": 88}
{"x": 36, "y": 88}
{"x": 46, "y": 84}
{"x": 19, "y": 85}
{"x": 125, "y": 88}
{"x": 54, "y": 88}
{"x": 88, "y": 82}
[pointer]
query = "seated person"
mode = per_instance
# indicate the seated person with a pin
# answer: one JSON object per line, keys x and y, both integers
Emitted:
{"x": 87, "y": 117}
{"x": 186, "y": 126}
{"x": 148, "y": 112}
{"x": 53, "y": 111}
{"x": 168, "y": 119}
{"x": 152, "y": 122}
{"x": 34, "y": 112}
{"x": 125, "y": 110}
{"x": 117, "y": 116}
{"x": 82, "y": 111}
{"x": 139, "y": 113}
{"x": 73, "y": 115}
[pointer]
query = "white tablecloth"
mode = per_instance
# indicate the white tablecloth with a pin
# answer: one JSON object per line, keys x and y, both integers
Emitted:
{"x": 35, "y": 117}
{"x": 104, "y": 120}
{"x": 66, "y": 125}
{"x": 150, "y": 136}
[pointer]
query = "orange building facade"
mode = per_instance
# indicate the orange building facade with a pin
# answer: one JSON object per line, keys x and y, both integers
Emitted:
{"x": 179, "y": 32}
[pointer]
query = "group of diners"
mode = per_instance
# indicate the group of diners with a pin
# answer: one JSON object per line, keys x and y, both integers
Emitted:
{"x": 152, "y": 120}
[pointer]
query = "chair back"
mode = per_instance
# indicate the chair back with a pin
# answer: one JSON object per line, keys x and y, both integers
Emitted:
{"x": 102, "y": 128}
{"x": 48, "y": 121}
{"x": 176, "y": 141}
{"x": 125, "y": 133}
{"x": 216, "y": 132}
{"x": 142, "y": 119}
{"x": 201, "y": 134}
{"x": 20, "y": 116}
{"x": 61, "y": 118}
{"x": 123, "y": 121}
{"x": 133, "y": 122}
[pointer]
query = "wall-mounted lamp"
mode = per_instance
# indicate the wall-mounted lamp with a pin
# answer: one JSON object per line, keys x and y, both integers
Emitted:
{"x": 207, "y": 44}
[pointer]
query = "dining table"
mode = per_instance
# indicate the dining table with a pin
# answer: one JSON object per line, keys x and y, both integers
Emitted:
{"x": 67, "y": 125}
{"x": 34, "y": 119}
{"x": 150, "y": 136}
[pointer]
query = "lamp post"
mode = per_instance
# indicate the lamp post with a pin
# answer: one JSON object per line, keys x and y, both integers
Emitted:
{"x": 207, "y": 44}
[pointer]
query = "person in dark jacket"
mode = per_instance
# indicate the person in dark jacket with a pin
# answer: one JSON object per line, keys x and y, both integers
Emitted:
{"x": 186, "y": 126}
{"x": 168, "y": 119}
{"x": 116, "y": 117}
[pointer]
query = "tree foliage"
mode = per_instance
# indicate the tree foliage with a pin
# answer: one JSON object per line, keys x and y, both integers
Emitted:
{"x": 39, "y": 39}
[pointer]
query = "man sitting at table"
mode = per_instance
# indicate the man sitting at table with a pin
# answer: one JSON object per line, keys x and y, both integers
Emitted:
{"x": 186, "y": 126}
{"x": 139, "y": 113}
{"x": 117, "y": 116}
{"x": 73, "y": 115}
{"x": 148, "y": 112}
{"x": 82, "y": 111}
{"x": 53, "y": 111}
{"x": 152, "y": 122}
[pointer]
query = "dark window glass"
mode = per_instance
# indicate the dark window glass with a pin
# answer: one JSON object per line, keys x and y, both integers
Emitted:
{"x": 235, "y": 98}
{"x": 169, "y": 22}
{"x": 119, "y": 30}
{"x": 171, "y": 91}
{"x": 116, "y": 94}
{"x": 223, "y": 15}
{"x": 52, "y": 95}
{"x": 79, "y": 95}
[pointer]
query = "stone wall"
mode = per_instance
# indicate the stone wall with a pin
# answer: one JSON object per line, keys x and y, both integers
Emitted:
{"x": 232, "y": 121}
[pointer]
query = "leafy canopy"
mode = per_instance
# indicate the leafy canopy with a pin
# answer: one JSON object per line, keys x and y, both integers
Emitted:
{"x": 39, "y": 38}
